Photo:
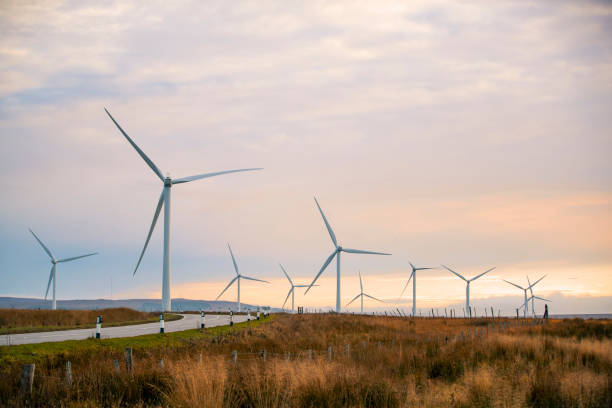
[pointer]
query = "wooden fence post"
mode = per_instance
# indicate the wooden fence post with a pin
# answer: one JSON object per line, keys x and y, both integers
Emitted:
{"x": 116, "y": 366}
{"x": 309, "y": 354}
{"x": 329, "y": 352}
{"x": 348, "y": 349}
{"x": 27, "y": 379}
{"x": 69, "y": 373}
{"x": 263, "y": 355}
{"x": 234, "y": 356}
{"x": 128, "y": 360}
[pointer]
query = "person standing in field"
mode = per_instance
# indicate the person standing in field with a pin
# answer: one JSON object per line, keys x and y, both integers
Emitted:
{"x": 545, "y": 312}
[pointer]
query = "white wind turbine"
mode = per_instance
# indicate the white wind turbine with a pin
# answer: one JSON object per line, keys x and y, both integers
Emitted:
{"x": 52, "y": 274}
{"x": 525, "y": 292}
{"x": 534, "y": 297}
{"x": 237, "y": 278}
{"x": 291, "y": 291}
{"x": 467, "y": 287}
{"x": 164, "y": 200}
{"x": 338, "y": 249}
{"x": 413, "y": 277}
{"x": 362, "y": 294}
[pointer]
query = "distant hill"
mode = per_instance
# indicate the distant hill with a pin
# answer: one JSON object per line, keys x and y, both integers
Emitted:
{"x": 145, "y": 305}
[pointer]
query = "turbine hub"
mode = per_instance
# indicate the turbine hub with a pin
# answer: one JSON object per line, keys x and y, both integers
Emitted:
{"x": 339, "y": 248}
{"x": 53, "y": 261}
{"x": 167, "y": 182}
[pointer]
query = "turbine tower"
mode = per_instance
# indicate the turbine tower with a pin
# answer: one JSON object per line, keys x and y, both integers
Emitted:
{"x": 237, "y": 278}
{"x": 338, "y": 249}
{"x": 54, "y": 262}
{"x": 525, "y": 292}
{"x": 467, "y": 287}
{"x": 413, "y": 277}
{"x": 164, "y": 200}
{"x": 291, "y": 291}
{"x": 362, "y": 295}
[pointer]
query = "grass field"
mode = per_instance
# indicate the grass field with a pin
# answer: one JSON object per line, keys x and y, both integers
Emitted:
{"x": 14, "y": 321}
{"x": 390, "y": 362}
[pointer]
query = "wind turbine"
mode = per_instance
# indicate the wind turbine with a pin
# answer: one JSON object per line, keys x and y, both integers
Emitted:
{"x": 525, "y": 292}
{"x": 467, "y": 287}
{"x": 291, "y": 291}
{"x": 532, "y": 296}
{"x": 338, "y": 249}
{"x": 362, "y": 295}
{"x": 526, "y": 305}
{"x": 164, "y": 200}
{"x": 237, "y": 278}
{"x": 413, "y": 277}
{"x": 54, "y": 262}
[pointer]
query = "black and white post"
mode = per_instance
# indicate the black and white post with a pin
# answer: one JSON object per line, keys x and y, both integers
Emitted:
{"x": 231, "y": 318}
{"x": 98, "y": 326}
{"x": 161, "y": 323}
{"x": 202, "y": 317}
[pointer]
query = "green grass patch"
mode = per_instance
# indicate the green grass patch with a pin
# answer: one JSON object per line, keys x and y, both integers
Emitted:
{"x": 32, "y": 353}
{"x": 168, "y": 317}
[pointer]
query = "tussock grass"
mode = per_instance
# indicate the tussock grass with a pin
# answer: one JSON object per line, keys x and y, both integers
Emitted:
{"x": 418, "y": 363}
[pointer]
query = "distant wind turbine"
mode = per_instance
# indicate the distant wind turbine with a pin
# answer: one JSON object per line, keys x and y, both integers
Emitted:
{"x": 531, "y": 298}
{"x": 291, "y": 291}
{"x": 534, "y": 297}
{"x": 164, "y": 200}
{"x": 237, "y": 278}
{"x": 525, "y": 292}
{"x": 467, "y": 287}
{"x": 362, "y": 294}
{"x": 337, "y": 250}
{"x": 54, "y": 262}
{"x": 413, "y": 277}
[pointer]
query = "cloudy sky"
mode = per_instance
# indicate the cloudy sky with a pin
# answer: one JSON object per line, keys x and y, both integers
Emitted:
{"x": 463, "y": 133}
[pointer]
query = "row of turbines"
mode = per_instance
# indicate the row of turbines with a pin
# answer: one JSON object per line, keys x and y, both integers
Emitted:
{"x": 165, "y": 203}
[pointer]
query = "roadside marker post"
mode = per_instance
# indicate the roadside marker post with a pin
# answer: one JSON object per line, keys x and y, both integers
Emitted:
{"x": 98, "y": 326}
{"x": 161, "y": 323}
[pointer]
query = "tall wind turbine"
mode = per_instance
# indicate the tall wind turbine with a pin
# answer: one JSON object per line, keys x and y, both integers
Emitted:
{"x": 164, "y": 200}
{"x": 525, "y": 292}
{"x": 54, "y": 262}
{"x": 237, "y": 278}
{"x": 291, "y": 291}
{"x": 467, "y": 287}
{"x": 362, "y": 295}
{"x": 337, "y": 250}
{"x": 413, "y": 277}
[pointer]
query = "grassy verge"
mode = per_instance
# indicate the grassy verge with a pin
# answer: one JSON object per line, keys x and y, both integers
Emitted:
{"x": 77, "y": 349}
{"x": 40, "y": 329}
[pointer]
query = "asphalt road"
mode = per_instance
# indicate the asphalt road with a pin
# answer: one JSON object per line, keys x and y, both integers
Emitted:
{"x": 189, "y": 321}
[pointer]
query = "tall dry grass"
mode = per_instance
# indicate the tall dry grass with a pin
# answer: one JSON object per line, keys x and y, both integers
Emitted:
{"x": 414, "y": 365}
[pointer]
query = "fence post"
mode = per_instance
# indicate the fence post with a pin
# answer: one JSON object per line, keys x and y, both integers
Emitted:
{"x": 310, "y": 354}
{"x": 379, "y": 345}
{"x": 234, "y": 356}
{"x": 161, "y": 323}
{"x": 69, "y": 373}
{"x": 348, "y": 349}
{"x": 161, "y": 363}
{"x": 263, "y": 355}
{"x": 27, "y": 379}
{"x": 287, "y": 356}
{"x": 231, "y": 318}
{"x": 98, "y": 326}
{"x": 329, "y": 352}
{"x": 363, "y": 344}
{"x": 128, "y": 360}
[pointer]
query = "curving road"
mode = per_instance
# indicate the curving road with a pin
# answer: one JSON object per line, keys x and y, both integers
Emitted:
{"x": 189, "y": 321}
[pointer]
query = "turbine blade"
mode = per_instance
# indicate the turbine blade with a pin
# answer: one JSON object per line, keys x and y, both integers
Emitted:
{"x": 485, "y": 272}
{"x": 303, "y": 286}
{"x": 513, "y": 284}
{"x": 253, "y": 279}
{"x": 160, "y": 203}
{"x": 49, "y": 284}
{"x": 541, "y": 298}
{"x": 140, "y": 152}
{"x": 233, "y": 259}
{"x": 359, "y": 251}
{"x": 287, "y": 298}
{"x": 227, "y": 287}
{"x": 329, "y": 228}
{"x": 530, "y": 286}
{"x": 534, "y": 283}
{"x": 286, "y": 274}
{"x": 42, "y": 245}
{"x": 76, "y": 257}
{"x": 206, "y": 175}
{"x": 354, "y": 299}
{"x": 406, "y": 286}
{"x": 372, "y": 297}
{"x": 327, "y": 261}
{"x": 423, "y": 269}
{"x": 360, "y": 282}
{"x": 450, "y": 270}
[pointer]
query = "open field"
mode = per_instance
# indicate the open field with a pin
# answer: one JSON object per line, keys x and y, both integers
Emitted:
{"x": 14, "y": 321}
{"x": 390, "y": 362}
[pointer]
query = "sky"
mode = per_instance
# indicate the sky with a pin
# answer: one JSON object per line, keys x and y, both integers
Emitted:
{"x": 471, "y": 134}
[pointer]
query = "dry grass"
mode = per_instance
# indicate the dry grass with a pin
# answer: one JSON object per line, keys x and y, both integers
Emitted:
{"x": 415, "y": 365}
{"x": 23, "y": 320}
